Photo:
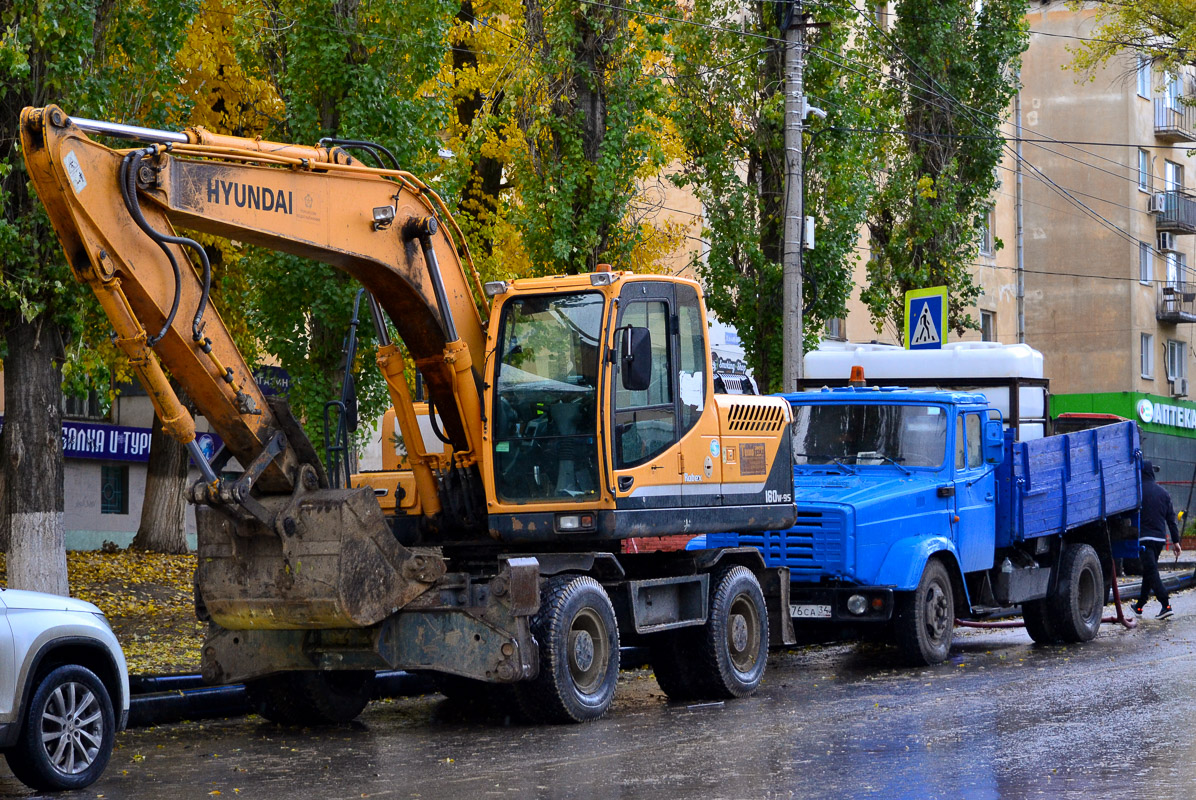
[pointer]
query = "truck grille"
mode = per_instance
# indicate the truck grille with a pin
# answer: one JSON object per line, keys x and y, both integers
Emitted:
{"x": 812, "y": 547}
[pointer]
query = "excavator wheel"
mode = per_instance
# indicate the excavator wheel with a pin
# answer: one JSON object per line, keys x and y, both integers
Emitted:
{"x": 578, "y": 639}
{"x": 671, "y": 655}
{"x": 311, "y": 697}
{"x": 734, "y": 649}
{"x": 474, "y": 698}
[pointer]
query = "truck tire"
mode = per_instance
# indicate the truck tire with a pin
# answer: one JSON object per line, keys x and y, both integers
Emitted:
{"x": 1037, "y": 616}
{"x": 671, "y": 655}
{"x": 735, "y": 645}
{"x": 1078, "y": 603}
{"x": 578, "y": 642}
{"x": 311, "y": 697}
{"x": 925, "y": 619}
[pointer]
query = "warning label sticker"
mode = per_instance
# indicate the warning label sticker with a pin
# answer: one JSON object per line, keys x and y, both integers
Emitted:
{"x": 752, "y": 460}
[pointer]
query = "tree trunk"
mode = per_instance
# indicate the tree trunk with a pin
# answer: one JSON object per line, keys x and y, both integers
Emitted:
{"x": 31, "y": 456}
{"x": 163, "y": 521}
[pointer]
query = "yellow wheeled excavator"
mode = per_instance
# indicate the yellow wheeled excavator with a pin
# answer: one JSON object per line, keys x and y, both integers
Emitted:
{"x": 575, "y": 411}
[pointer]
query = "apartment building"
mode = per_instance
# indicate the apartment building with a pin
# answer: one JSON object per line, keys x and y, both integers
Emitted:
{"x": 1108, "y": 241}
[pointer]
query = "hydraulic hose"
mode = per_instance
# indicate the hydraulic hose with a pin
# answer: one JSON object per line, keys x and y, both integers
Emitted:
{"x": 128, "y": 191}
{"x": 129, "y": 167}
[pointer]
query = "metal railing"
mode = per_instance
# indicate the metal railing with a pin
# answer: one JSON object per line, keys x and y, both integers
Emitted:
{"x": 1178, "y": 214}
{"x": 1176, "y": 301}
{"x": 1174, "y": 121}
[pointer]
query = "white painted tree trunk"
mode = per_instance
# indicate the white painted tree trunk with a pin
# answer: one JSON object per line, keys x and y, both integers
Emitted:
{"x": 31, "y": 456}
{"x": 37, "y": 555}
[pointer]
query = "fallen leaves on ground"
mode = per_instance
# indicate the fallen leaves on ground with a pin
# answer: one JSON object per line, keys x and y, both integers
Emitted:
{"x": 147, "y": 598}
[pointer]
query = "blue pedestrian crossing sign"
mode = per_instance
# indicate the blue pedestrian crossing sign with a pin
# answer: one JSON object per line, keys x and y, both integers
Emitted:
{"x": 925, "y": 318}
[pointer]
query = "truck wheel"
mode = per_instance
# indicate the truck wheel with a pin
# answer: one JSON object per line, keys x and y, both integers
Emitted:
{"x": 578, "y": 641}
{"x": 925, "y": 618}
{"x": 671, "y": 655}
{"x": 1078, "y": 604}
{"x": 735, "y": 646}
{"x": 1037, "y": 617}
{"x": 311, "y": 697}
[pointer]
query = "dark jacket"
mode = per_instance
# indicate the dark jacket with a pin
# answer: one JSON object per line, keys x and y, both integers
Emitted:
{"x": 1158, "y": 515}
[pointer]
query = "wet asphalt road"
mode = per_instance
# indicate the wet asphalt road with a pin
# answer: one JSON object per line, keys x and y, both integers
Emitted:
{"x": 1003, "y": 719}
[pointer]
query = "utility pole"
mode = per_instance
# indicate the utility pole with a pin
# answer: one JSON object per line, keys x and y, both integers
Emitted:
{"x": 1021, "y": 252}
{"x": 795, "y": 213}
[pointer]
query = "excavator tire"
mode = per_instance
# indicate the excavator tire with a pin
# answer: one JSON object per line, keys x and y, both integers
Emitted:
{"x": 307, "y": 698}
{"x": 734, "y": 650}
{"x": 475, "y": 698}
{"x": 671, "y": 655}
{"x": 578, "y": 639}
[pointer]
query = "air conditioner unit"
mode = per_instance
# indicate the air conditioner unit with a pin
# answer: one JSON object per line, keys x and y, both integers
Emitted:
{"x": 1166, "y": 240}
{"x": 1179, "y": 387}
{"x": 1158, "y": 203}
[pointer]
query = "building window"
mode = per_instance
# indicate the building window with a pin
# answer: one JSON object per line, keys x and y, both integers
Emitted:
{"x": 880, "y": 15}
{"x": 1173, "y": 176}
{"x": 988, "y": 326}
{"x": 1174, "y": 93}
{"x": 1144, "y": 170}
{"x": 1145, "y": 262}
{"x": 1143, "y": 77}
{"x": 988, "y": 243}
{"x": 1177, "y": 360}
{"x": 114, "y": 489}
{"x": 85, "y": 407}
{"x": 836, "y": 329}
{"x": 1172, "y": 269}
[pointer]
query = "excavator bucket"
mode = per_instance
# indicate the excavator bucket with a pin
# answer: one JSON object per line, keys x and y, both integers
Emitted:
{"x": 335, "y": 564}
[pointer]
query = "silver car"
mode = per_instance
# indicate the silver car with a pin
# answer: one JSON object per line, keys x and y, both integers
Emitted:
{"x": 64, "y": 689}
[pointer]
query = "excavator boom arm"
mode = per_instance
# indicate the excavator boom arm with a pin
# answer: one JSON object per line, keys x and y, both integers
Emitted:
{"x": 115, "y": 213}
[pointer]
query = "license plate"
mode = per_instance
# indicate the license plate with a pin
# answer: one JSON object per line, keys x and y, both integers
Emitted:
{"x": 810, "y": 611}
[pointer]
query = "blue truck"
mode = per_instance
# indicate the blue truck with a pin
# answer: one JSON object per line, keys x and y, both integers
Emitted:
{"x": 916, "y": 508}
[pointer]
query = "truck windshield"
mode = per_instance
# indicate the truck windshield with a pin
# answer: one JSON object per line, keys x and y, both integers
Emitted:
{"x": 545, "y": 400}
{"x": 863, "y": 435}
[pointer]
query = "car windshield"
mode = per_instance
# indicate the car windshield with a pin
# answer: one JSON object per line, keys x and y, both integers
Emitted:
{"x": 866, "y": 435}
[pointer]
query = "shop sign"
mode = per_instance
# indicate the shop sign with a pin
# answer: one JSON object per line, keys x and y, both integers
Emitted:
{"x": 104, "y": 442}
{"x": 1152, "y": 412}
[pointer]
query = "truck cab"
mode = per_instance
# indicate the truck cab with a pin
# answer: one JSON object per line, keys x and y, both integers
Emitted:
{"x": 916, "y": 507}
{"x": 883, "y": 478}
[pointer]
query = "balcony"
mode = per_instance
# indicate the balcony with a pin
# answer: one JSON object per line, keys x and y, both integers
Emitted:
{"x": 1176, "y": 302}
{"x": 1174, "y": 121}
{"x": 1178, "y": 214}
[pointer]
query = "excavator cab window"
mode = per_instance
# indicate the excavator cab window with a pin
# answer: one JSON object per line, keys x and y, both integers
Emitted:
{"x": 646, "y": 419}
{"x": 545, "y": 403}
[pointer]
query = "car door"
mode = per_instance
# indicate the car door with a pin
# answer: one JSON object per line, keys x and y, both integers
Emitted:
{"x": 975, "y": 495}
{"x": 8, "y": 666}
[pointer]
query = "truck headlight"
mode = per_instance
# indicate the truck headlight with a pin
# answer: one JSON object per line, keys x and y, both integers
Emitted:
{"x": 857, "y": 604}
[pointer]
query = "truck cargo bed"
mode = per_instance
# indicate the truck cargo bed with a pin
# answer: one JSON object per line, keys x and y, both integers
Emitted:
{"x": 1048, "y": 486}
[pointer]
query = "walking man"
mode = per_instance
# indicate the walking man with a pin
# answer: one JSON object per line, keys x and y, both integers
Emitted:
{"x": 1156, "y": 530}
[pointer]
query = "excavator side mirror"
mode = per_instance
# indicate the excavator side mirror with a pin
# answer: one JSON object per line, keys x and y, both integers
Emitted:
{"x": 635, "y": 364}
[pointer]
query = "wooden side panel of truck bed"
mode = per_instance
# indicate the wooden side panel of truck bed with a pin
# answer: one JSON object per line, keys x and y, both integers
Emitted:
{"x": 1049, "y": 486}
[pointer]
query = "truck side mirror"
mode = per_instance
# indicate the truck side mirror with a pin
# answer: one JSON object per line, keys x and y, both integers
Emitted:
{"x": 994, "y": 442}
{"x": 635, "y": 363}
